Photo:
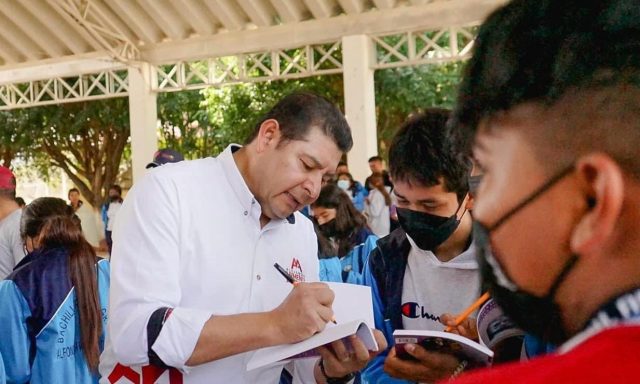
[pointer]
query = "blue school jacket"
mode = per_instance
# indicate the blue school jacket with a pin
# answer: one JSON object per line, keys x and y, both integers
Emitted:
{"x": 39, "y": 328}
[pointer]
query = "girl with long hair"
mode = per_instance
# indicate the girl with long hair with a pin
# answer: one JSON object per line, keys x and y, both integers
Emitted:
{"x": 53, "y": 305}
{"x": 344, "y": 239}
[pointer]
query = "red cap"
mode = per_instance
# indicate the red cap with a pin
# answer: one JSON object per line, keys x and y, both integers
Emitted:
{"x": 7, "y": 179}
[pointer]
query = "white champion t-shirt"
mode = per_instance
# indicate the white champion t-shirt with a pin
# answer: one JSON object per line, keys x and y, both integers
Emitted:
{"x": 431, "y": 287}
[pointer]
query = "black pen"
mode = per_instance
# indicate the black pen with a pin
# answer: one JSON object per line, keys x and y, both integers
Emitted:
{"x": 286, "y": 275}
{"x": 293, "y": 281}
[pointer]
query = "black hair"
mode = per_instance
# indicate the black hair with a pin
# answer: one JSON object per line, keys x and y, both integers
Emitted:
{"x": 298, "y": 112}
{"x": 348, "y": 222}
{"x": 20, "y": 201}
{"x": 117, "y": 188}
{"x": 8, "y": 194}
{"x": 421, "y": 154}
{"x": 52, "y": 223}
{"x": 375, "y": 158}
{"x": 540, "y": 50}
{"x": 74, "y": 189}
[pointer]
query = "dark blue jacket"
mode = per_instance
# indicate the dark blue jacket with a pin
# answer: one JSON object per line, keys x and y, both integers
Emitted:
{"x": 39, "y": 327}
{"x": 384, "y": 273}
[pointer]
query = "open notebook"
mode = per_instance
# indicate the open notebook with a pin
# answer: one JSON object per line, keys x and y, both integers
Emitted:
{"x": 353, "y": 311}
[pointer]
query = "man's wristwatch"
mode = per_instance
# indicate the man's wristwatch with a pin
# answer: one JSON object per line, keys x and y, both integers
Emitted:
{"x": 335, "y": 380}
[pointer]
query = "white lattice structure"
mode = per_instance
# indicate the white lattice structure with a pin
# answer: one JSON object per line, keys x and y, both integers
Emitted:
{"x": 59, "y": 90}
{"x": 424, "y": 47}
{"x": 56, "y": 51}
{"x": 310, "y": 60}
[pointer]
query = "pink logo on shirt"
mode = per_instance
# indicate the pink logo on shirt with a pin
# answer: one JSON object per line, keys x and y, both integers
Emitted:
{"x": 296, "y": 270}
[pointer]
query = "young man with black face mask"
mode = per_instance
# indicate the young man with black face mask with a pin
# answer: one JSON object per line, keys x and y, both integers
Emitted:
{"x": 427, "y": 267}
{"x": 551, "y": 102}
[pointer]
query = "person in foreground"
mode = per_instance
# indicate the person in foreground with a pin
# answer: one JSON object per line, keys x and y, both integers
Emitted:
{"x": 194, "y": 287}
{"x": 552, "y": 100}
{"x": 53, "y": 305}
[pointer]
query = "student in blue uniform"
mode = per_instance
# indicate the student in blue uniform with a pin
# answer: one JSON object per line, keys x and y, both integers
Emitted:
{"x": 53, "y": 305}
{"x": 344, "y": 239}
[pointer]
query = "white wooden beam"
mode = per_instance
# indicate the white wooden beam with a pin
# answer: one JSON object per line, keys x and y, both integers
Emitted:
{"x": 352, "y": 7}
{"x": 143, "y": 118}
{"x": 36, "y": 31}
{"x": 227, "y": 13}
{"x": 107, "y": 13}
{"x": 79, "y": 29}
{"x": 69, "y": 67}
{"x": 384, "y": 4}
{"x": 165, "y": 18}
{"x": 431, "y": 16}
{"x": 322, "y": 9}
{"x": 19, "y": 40}
{"x": 359, "y": 102}
{"x": 137, "y": 20}
{"x": 260, "y": 12}
{"x": 57, "y": 26}
{"x": 290, "y": 11}
{"x": 8, "y": 53}
{"x": 199, "y": 16}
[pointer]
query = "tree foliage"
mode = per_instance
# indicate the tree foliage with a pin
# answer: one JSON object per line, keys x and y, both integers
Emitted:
{"x": 85, "y": 140}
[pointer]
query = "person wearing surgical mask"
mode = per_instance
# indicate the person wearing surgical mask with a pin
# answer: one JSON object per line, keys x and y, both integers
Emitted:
{"x": 344, "y": 239}
{"x": 426, "y": 270}
{"x": 551, "y": 105}
{"x": 354, "y": 189}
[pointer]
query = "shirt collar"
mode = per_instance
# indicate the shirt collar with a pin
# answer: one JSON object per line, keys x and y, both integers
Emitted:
{"x": 465, "y": 260}
{"x": 247, "y": 200}
{"x": 622, "y": 310}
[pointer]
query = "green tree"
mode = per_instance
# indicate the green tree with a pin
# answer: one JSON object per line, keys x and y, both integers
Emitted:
{"x": 406, "y": 90}
{"x": 85, "y": 140}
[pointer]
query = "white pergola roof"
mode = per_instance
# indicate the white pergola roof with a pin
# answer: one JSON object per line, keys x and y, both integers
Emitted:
{"x": 47, "y": 38}
{"x": 58, "y": 51}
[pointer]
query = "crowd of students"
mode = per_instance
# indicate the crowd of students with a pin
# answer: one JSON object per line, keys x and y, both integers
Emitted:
{"x": 527, "y": 189}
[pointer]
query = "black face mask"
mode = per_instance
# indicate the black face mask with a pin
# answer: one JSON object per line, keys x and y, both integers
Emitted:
{"x": 426, "y": 230}
{"x": 539, "y": 316}
{"x": 328, "y": 229}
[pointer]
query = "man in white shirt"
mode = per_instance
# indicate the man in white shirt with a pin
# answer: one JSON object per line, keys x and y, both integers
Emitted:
{"x": 11, "y": 246}
{"x": 194, "y": 289}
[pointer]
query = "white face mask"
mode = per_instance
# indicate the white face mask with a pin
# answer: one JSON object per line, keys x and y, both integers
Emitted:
{"x": 344, "y": 184}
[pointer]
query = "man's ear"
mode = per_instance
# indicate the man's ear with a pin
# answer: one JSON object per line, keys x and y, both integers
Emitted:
{"x": 268, "y": 135}
{"x": 469, "y": 204}
{"x": 601, "y": 181}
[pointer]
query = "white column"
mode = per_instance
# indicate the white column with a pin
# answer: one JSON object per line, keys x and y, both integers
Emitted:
{"x": 360, "y": 102}
{"x": 143, "y": 118}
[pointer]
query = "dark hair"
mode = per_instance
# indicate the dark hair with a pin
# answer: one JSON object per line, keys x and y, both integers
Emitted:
{"x": 542, "y": 50}
{"x": 117, "y": 188}
{"x": 20, "y": 201}
{"x": 8, "y": 194}
{"x": 53, "y": 224}
{"x": 421, "y": 153}
{"x": 352, "y": 187}
{"x": 73, "y": 190}
{"x": 349, "y": 221}
{"x": 298, "y": 112}
{"x": 375, "y": 158}
{"x": 380, "y": 187}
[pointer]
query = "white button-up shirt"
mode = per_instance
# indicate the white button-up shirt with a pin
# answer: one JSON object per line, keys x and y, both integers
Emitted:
{"x": 188, "y": 237}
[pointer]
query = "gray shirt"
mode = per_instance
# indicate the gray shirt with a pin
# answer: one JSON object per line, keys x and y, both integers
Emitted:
{"x": 11, "y": 247}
